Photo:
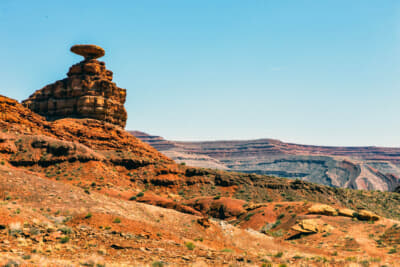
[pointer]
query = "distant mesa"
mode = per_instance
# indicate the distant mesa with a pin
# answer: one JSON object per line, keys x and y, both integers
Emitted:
{"x": 87, "y": 92}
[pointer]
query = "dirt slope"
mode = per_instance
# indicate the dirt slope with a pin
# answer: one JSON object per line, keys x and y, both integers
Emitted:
{"x": 85, "y": 192}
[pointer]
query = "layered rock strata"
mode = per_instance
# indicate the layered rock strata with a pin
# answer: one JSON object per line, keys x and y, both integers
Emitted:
{"x": 87, "y": 92}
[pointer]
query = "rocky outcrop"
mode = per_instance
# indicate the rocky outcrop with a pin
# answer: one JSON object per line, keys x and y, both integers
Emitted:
{"x": 218, "y": 207}
{"x": 87, "y": 92}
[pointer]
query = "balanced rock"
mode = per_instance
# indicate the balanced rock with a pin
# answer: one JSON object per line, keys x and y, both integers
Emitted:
{"x": 88, "y": 51}
{"x": 87, "y": 92}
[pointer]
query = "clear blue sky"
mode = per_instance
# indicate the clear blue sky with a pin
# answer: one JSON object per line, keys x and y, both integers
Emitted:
{"x": 313, "y": 72}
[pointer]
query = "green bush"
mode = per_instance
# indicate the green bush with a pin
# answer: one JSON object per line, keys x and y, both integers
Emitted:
{"x": 64, "y": 239}
{"x": 157, "y": 264}
{"x": 278, "y": 222}
{"x": 248, "y": 216}
{"x": 190, "y": 245}
{"x": 66, "y": 230}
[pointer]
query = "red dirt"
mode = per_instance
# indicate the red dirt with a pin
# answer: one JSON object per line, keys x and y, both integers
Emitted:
{"x": 53, "y": 174}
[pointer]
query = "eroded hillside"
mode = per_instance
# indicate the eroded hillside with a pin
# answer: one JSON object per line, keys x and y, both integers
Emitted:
{"x": 84, "y": 191}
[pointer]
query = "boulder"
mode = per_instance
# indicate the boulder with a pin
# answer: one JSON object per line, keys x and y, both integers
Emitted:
{"x": 366, "y": 215}
{"x": 346, "y": 212}
{"x": 323, "y": 210}
{"x": 309, "y": 226}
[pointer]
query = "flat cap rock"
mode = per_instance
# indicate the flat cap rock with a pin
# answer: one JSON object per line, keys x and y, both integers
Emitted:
{"x": 88, "y": 51}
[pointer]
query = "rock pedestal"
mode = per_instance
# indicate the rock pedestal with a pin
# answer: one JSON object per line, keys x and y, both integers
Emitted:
{"x": 87, "y": 92}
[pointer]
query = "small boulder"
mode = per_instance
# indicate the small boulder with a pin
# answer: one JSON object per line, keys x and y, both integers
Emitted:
{"x": 366, "y": 215}
{"x": 205, "y": 222}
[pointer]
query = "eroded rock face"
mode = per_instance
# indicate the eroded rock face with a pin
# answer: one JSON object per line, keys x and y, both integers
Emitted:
{"x": 87, "y": 92}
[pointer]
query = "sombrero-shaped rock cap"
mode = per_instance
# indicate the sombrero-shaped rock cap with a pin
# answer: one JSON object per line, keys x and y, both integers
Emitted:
{"x": 88, "y": 51}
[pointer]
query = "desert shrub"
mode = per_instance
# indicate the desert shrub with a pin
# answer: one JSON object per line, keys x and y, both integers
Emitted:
{"x": 278, "y": 233}
{"x": 26, "y": 257}
{"x": 276, "y": 224}
{"x": 12, "y": 263}
{"x": 278, "y": 254}
{"x": 64, "y": 239}
{"x": 157, "y": 264}
{"x": 117, "y": 220}
{"x": 66, "y": 230}
{"x": 140, "y": 194}
{"x": 88, "y": 216}
{"x": 34, "y": 231}
{"x": 190, "y": 245}
{"x": 15, "y": 228}
{"x": 351, "y": 259}
{"x": 248, "y": 216}
{"x": 375, "y": 259}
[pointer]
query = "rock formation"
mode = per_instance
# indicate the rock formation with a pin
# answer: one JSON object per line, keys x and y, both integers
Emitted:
{"x": 87, "y": 92}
